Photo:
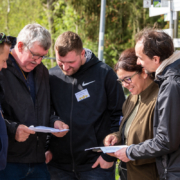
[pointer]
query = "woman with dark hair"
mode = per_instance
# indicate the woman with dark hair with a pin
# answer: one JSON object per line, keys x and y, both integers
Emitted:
{"x": 138, "y": 109}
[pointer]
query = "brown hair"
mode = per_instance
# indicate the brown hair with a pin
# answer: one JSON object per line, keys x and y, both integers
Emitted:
{"x": 128, "y": 61}
{"x": 68, "y": 41}
{"x": 156, "y": 43}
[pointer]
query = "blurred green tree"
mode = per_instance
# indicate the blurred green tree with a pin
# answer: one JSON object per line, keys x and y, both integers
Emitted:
{"x": 124, "y": 18}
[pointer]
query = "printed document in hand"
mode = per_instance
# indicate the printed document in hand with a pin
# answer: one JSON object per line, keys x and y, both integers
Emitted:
{"x": 46, "y": 129}
{"x": 106, "y": 149}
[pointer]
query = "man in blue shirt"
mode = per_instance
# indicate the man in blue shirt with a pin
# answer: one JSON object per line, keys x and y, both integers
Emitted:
{"x": 4, "y": 53}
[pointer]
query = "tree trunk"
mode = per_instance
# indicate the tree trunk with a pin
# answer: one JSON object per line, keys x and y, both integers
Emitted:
{"x": 7, "y": 18}
{"x": 50, "y": 9}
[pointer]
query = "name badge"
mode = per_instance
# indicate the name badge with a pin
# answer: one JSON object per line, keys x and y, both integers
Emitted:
{"x": 84, "y": 94}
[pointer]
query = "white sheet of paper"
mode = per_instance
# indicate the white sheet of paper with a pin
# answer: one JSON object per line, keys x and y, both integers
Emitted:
{"x": 108, "y": 149}
{"x": 46, "y": 129}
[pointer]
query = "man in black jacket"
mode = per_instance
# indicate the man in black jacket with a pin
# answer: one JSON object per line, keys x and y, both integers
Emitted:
{"x": 27, "y": 102}
{"x": 4, "y": 53}
{"x": 86, "y": 95}
{"x": 155, "y": 53}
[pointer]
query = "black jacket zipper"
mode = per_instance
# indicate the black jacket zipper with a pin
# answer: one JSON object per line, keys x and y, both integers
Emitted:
{"x": 73, "y": 169}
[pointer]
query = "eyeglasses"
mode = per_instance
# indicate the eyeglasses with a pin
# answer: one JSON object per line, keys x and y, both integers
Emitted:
{"x": 127, "y": 80}
{"x": 3, "y": 38}
{"x": 36, "y": 57}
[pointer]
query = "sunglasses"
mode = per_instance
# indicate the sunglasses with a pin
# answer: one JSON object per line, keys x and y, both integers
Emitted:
{"x": 4, "y": 38}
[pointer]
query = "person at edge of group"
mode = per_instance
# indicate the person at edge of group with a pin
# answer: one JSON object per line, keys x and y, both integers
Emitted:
{"x": 138, "y": 110}
{"x": 86, "y": 96}
{"x": 155, "y": 52}
{"x": 4, "y": 53}
{"x": 27, "y": 102}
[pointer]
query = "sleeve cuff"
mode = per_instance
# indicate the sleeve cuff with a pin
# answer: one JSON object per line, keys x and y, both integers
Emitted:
{"x": 128, "y": 155}
{"x": 53, "y": 119}
{"x": 11, "y": 128}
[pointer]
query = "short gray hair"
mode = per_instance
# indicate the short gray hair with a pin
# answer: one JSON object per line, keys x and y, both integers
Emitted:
{"x": 32, "y": 33}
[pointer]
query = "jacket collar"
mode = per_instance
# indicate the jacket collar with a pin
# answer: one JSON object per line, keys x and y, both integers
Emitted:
{"x": 94, "y": 60}
{"x": 38, "y": 73}
{"x": 145, "y": 94}
{"x": 173, "y": 58}
{"x": 11, "y": 67}
{"x": 171, "y": 70}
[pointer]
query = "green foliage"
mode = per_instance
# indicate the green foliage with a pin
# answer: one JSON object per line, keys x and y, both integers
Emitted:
{"x": 14, "y": 15}
{"x": 179, "y": 26}
{"x": 124, "y": 18}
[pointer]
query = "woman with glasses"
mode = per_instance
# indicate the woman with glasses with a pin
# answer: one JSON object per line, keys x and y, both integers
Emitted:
{"x": 4, "y": 53}
{"x": 137, "y": 123}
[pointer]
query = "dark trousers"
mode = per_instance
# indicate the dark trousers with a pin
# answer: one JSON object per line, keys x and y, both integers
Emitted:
{"x": 93, "y": 174}
{"x": 25, "y": 171}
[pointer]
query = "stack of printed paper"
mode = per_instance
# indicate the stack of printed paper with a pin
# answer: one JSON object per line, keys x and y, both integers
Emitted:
{"x": 106, "y": 149}
{"x": 46, "y": 129}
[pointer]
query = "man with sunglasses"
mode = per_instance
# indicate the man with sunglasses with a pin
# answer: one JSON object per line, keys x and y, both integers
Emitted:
{"x": 4, "y": 53}
{"x": 26, "y": 103}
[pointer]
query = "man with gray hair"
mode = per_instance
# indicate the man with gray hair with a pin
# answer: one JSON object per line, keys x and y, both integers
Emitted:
{"x": 27, "y": 102}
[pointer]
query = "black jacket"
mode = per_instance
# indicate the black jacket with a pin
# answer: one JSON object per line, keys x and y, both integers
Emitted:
{"x": 165, "y": 145}
{"x": 19, "y": 108}
{"x": 89, "y": 120}
{"x": 3, "y": 136}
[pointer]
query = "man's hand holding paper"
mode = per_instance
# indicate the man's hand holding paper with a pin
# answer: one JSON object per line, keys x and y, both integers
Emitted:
{"x": 110, "y": 140}
{"x": 60, "y": 125}
{"x": 22, "y": 133}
